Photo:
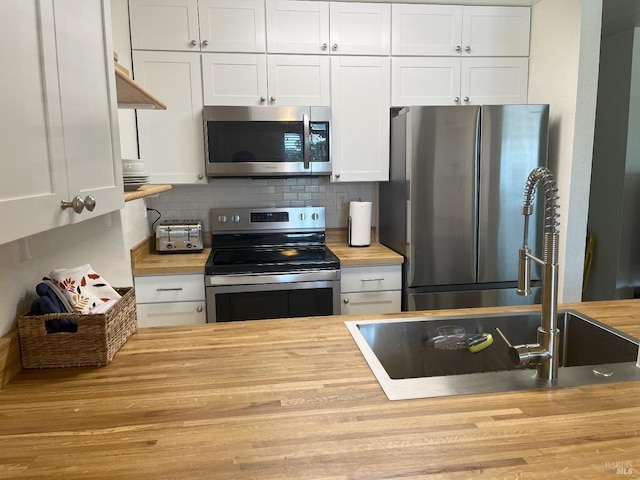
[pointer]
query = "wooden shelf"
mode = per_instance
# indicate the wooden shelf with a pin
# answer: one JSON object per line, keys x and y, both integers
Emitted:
{"x": 133, "y": 95}
{"x": 145, "y": 191}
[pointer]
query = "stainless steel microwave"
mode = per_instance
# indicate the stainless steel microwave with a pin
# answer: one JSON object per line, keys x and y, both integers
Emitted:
{"x": 267, "y": 141}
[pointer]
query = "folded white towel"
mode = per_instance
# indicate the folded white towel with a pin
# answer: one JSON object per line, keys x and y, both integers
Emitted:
{"x": 83, "y": 287}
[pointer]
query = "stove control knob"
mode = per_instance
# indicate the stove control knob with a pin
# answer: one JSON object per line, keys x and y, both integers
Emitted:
{"x": 235, "y": 218}
{"x": 315, "y": 216}
{"x": 222, "y": 218}
{"x": 303, "y": 217}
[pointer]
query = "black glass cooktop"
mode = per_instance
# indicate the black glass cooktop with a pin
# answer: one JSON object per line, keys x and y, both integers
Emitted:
{"x": 270, "y": 259}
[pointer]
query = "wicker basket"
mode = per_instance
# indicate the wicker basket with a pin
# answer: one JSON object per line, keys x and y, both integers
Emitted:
{"x": 96, "y": 341}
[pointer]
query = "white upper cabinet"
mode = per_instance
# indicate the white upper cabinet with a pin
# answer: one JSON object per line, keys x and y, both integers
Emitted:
{"x": 171, "y": 140}
{"x": 458, "y": 81}
{"x": 454, "y": 30}
{"x": 59, "y": 131}
{"x": 265, "y": 80}
{"x": 496, "y": 31}
{"x": 360, "y": 102}
{"x": 164, "y": 25}
{"x": 198, "y": 25}
{"x": 342, "y": 28}
{"x": 232, "y": 25}
{"x": 360, "y": 28}
{"x": 426, "y": 29}
{"x": 297, "y": 27}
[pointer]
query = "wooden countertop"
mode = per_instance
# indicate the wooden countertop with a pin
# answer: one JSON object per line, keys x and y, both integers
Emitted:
{"x": 145, "y": 261}
{"x": 294, "y": 399}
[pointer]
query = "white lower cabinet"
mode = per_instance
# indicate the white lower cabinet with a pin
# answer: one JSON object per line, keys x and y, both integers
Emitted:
{"x": 371, "y": 289}
{"x": 167, "y": 314}
{"x": 164, "y": 300}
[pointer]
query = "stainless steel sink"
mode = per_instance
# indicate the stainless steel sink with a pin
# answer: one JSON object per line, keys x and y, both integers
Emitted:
{"x": 410, "y": 360}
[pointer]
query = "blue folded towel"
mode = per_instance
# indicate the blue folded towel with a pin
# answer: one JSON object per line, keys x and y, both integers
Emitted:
{"x": 49, "y": 302}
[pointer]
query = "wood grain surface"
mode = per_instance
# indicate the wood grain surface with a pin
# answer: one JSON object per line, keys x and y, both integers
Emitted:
{"x": 145, "y": 260}
{"x": 146, "y": 191}
{"x": 294, "y": 399}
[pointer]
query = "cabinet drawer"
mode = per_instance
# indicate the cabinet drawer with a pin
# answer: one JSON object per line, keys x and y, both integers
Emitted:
{"x": 165, "y": 314}
{"x": 370, "y": 303}
{"x": 169, "y": 288}
{"x": 371, "y": 278}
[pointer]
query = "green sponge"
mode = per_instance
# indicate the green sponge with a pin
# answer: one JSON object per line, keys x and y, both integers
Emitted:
{"x": 478, "y": 342}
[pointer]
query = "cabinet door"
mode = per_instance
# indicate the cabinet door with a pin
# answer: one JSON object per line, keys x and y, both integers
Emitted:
{"x": 360, "y": 102}
{"x": 494, "y": 81}
{"x": 360, "y": 28}
{"x": 232, "y": 25}
{"x": 234, "y": 79}
{"x": 88, "y": 101}
{"x": 298, "y": 80}
{"x": 168, "y": 314}
{"x": 164, "y": 25}
{"x": 425, "y": 81}
{"x": 297, "y": 27}
{"x": 370, "y": 303}
{"x": 496, "y": 31}
{"x": 426, "y": 29}
{"x": 33, "y": 180}
{"x": 171, "y": 141}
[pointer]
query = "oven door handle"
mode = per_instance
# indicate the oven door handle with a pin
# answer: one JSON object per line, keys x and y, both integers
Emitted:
{"x": 306, "y": 131}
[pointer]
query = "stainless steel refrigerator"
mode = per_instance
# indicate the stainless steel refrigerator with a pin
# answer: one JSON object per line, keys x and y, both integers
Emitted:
{"x": 452, "y": 205}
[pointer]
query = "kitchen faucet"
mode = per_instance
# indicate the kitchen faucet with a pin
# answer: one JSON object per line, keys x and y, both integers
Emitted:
{"x": 545, "y": 353}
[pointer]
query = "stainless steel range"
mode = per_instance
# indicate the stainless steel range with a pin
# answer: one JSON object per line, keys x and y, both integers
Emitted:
{"x": 270, "y": 263}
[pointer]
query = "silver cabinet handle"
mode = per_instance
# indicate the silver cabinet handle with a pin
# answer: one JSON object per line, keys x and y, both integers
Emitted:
{"x": 175, "y": 289}
{"x": 90, "y": 202}
{"x": 205, "y": 43}
{"x": 272, "y": 99}
{"x": 466, "y": 99}
{"x": 263, "y": 99}
{"x": 324, "y": 46}
{"x": 335, "y": 46}
{"x": 200, "y": 176}
{"x": 467, "y": 48}
{"x": 193, "y": 43}
{"x": 372, "y": 279}
{"x": 199, "y": 309}
{"x": 458, "y": 48}
{"x": 456, "y": 99}
{"x": 77, "y": 204}
{"x": 345, "y": 301}
{"x": 337, "y": 175}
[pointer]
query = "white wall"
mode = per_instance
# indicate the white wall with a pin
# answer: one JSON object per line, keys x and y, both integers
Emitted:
{"x": 103, "y": 242}
{"x": 565, "y": 39}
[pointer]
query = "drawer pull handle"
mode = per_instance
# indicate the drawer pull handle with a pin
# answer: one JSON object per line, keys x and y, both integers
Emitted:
{"x": 177, "y": 289}
{"x": 372, "y": 279}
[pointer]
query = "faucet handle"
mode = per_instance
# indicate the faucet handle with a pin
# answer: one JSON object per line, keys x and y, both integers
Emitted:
{"x": 523, "y": 355}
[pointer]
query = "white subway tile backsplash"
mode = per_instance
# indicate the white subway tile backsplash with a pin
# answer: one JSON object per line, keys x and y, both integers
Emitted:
{"x": 195, "y": 201}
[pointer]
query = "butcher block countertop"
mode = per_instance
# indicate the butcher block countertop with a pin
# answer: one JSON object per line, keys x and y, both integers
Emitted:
{"x": 145, "y": 260}
{"x": 294, "y": 399}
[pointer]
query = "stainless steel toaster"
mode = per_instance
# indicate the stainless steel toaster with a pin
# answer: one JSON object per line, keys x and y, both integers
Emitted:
{"x": 179, "y": 236}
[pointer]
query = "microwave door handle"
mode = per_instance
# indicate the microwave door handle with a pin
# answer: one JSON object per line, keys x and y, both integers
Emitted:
{"x": 306, "y": 132}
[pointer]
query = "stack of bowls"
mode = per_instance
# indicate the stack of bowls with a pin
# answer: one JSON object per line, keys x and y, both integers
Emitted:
{"x": 133, "y": 174}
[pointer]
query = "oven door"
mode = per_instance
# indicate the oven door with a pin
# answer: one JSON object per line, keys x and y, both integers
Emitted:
{"x": 259, "y": 297}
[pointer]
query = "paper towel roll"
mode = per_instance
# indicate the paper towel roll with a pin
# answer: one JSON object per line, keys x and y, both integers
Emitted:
{"x": 359, "y": 224}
